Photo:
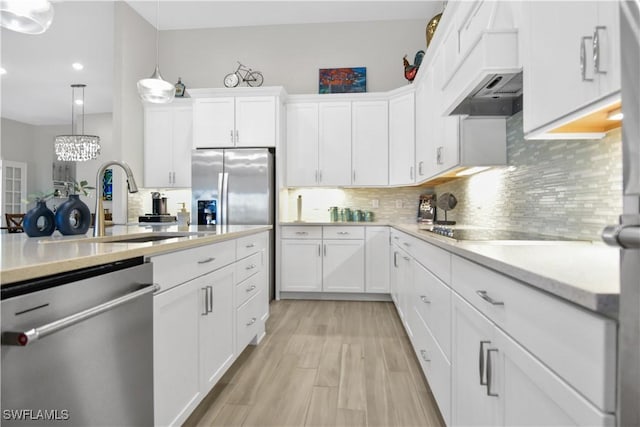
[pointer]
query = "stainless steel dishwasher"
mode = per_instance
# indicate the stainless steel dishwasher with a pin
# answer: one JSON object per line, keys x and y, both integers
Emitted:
{"x": 77, "y": 348}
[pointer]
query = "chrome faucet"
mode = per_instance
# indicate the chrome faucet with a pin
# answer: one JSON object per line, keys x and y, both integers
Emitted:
{"x": 98, "y": 228}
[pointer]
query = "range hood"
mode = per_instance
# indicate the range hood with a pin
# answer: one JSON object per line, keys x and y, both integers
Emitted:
{"x": 487, "y": 77}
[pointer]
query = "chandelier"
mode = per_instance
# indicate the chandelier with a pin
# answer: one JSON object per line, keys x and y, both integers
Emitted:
{"x": 74, "y": 147}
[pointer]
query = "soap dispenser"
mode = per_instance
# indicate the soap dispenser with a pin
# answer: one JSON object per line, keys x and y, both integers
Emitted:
{"x": 183, "y": 217}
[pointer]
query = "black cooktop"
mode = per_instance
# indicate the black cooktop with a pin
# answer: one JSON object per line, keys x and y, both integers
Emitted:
{"x": 491, "y": 234}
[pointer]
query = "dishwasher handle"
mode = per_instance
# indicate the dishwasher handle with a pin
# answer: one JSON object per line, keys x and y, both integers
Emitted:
{"x": 24, "y": 338}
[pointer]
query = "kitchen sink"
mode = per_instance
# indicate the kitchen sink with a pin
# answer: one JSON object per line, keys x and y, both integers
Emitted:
{"x": 127, "y": 238}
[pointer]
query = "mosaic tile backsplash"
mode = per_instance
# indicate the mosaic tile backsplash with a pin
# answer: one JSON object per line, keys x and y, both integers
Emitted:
{"x": 569, "y": 188}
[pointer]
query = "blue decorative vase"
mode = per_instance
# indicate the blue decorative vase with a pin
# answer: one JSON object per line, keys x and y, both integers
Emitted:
{"x": 39, "y": 221}
{"x": 73, "y": 216}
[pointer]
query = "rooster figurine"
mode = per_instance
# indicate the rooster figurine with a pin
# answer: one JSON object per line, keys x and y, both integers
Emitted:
{"x": 410, "y": 71}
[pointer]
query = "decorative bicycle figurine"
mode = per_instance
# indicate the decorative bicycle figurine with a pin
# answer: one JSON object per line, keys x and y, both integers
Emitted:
{"x": 245, "y": 74}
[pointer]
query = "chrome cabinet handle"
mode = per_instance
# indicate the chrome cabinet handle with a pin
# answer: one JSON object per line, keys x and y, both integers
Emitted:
{"x": 173, "y": 177}
{"x": 316, "y": 179}
{"x": 406, "y": 244}
{"x": 481, "y": 363}
{"x": 250, "y": 246}
{"x": 252, "y": 321}
{"x": 210, "y": 298}
{"x": 406, "y": 258}
{"x": 206, "y": 260}
{"x": 439, "y": 155}
{"x": 252, "y": 287}
{"x": 231, "y": 134}
{"x": 320, "y": 176}
{"x": 301, "y": 233}
{"x": 420, "y": 168}
{"x": 354, "y": 176}
{"x": 250, "y": 267}
{"x": 425, "y": 299}
{"x": 205, "y": 299}
{"x": 411, "y": 173}
{"x": 489, "y": 393}
{"x": 169, "y": 177}
{"x": 396, "y": 238}
{"x": 237, "y": 136}
{"x": 343, "y": 233}
{"x": 395, "y": 259}
{"x": 23, "y": 338}
{"x": 487, "y": 298}
{"x": 583, "y": 59}
{"x": 325, "y": 250}
{"x": 319, "y": 254}
{"x": 596, "y": 49}
{"x": 425, "y": 357}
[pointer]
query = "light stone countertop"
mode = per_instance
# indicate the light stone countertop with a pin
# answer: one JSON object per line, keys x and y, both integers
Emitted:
{"x": 24, "y": 258}
{"x": 338, "y": 223}
{"x": 584, "y": 273}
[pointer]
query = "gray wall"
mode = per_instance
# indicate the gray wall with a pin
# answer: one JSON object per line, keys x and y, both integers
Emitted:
{"x": 563, "y": 188}
{"x": 290, "y": 55}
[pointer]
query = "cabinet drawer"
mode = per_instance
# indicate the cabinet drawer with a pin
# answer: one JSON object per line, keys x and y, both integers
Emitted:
{"x": 248, "y": 267}
{"x": 301, "y": 232}
{"x": 249, "y": 245}
{"x": 436, "y": 260}
{"x": 247, "y": 322}
{"x": 249, "y": 287}
{"x": 178, "y": 267}
{"x": 436, "y": 367}
{"x": 432, "y": 300}
{"x": 343, "y": 232}
{"x": 568, "y": 339}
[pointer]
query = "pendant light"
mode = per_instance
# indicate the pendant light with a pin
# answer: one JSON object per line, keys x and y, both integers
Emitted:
{"x": 77, "y": 147}
{"x": 26, "y": 16}
{"x": 155, "y": 89}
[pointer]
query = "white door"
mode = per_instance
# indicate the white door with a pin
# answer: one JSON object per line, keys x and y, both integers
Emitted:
{"x": 301, "y": 265}
{"x": 214, "y": 122}
{"x": 335, "y": 143}
{"x": 176, "y": 385}
{"x": 13, "y": 188}
{"x": 377, "y": 260}
{"x": 182, "y": 146}
{"x": 568, "y": 27}
{"x": 535, "y": 395}
{"x": 255, "y": 121}
{"x": 343, "y": 266}
{"x": 217, "y": 313}
{"x": 158, "y": 161}
{"x": 302, "y": 145}
{"x": 402, "y": 140}
{"x": 370, "y": 143}
{"x": 473, "y": 339}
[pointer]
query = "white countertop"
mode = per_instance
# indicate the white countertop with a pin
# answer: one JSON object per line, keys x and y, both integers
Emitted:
{"x": 584, "y": 273}
{"x": 24, "y": 258}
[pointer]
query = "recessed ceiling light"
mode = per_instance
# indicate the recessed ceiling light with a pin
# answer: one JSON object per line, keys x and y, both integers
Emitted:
{"x": 2, "y": 71}
{"x": 77, "y": 66}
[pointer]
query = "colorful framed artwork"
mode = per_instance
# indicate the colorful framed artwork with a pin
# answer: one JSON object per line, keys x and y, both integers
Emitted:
{"x": 107, "y": 185}
{"x": 343, "y": 80}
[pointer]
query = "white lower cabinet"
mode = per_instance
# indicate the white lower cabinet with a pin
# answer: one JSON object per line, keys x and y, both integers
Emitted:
{"x": 216, "y": 325}
{"x": 200, "y": 325}
{"x": 498, "y": 382}
{"x": 176, "y": 385}
{"x": 301, "y": 265}
{"x": 343, "y": 266}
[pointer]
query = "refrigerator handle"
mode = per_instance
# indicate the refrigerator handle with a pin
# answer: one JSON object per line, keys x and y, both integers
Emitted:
{"x": 219, "y": 211}
{"x": 225, "y": 198}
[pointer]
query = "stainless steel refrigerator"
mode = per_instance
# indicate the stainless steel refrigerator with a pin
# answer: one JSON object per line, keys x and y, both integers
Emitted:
{"x": 234, "y": 187}
{"x": 626, "y": 234}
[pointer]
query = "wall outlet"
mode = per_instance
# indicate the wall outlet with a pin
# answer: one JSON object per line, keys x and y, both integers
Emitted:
{"x": 398, "y": 204}
{"x": 375, "y": 203}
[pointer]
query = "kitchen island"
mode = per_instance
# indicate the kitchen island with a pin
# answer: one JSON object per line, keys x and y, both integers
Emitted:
{"x": 25, "y": 258}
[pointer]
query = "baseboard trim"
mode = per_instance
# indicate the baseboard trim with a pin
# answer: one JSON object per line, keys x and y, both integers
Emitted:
{"x": 339, "y": 296}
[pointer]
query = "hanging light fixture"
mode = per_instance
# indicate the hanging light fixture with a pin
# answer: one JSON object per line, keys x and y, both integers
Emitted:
{"x": 155, "y": 89}
{"x": 26, "y": 16}
{"x": 77, "y": 147}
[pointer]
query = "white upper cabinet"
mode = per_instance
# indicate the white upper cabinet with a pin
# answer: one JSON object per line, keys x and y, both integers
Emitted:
{"x": 167, "y": 145}
{"x": 241, "y": 121}
{"x": 370, "y": 143}
{"x": 571, "y": 60}
{"x": 402, "y": 139}
{"x": 334, "y": 166}
{"x": 302, "y": 144}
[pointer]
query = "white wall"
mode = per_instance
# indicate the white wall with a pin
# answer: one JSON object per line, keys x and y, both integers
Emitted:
{"x": 290, "y": 55}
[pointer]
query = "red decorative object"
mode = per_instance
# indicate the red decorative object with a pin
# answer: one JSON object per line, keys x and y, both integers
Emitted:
{"x": 410, "y": 71}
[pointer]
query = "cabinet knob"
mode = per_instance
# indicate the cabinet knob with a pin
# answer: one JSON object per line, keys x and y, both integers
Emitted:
{"x": 252, "y": 321}
{"x": 425, "y": 299}
{"x": 251, "y": 288}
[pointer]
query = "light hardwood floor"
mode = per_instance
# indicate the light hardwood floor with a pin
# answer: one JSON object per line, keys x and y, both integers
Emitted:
{"x": 324, "y": 363}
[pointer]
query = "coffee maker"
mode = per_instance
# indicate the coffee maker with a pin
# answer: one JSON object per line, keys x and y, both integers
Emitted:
{"x": 159, "y": 210}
